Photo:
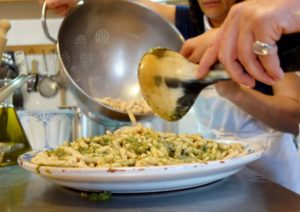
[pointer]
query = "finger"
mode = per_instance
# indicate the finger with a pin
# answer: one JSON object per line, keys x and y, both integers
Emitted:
{"x": 249, "y": 60}
{"x": 237, "y": 73}
{"x": 271, "y": 64}
{"x": 209, "y": 58}
{"x": 186, "y": 50}
{"x": 209, "y": 55}
{"x": 56, "y": 3}
{"x": 195, "y": 57}
{"x": 62, "y": 10}
{"x": 228, "y": 53}
{"x": 53, "y": 4}
{"x": 269, "y": 35}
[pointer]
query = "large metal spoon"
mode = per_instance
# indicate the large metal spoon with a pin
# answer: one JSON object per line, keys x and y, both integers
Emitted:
{"x": 168, "y": 80}
{"x": 48, "y": 87}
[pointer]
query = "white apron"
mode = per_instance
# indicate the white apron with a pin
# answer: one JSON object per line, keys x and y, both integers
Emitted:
{"x": 215, "y": 117}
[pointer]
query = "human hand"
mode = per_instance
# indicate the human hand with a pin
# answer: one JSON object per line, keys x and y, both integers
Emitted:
{"x": 194, "y": 48}
{"x": 227, "y": 89}
{"x": 61, "y": 7}
{"x": 262, "y": 20}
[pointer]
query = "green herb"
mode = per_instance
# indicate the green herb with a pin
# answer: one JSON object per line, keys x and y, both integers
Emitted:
{"x": 136, "y": 146}
{"x": 60, "y": 153}
{"x": 50, "y": 152}
{"x": 204, "y": 148}
{"x": 83, "y": 150}
{"x": 48, "y": 171}
{"x": 105, "y": 140}
{"x": 38, "y": 168}
{"x": 95, "y": 197}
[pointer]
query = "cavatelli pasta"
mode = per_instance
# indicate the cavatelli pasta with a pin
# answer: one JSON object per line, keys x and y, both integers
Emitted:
{"x": 137, "y": 146}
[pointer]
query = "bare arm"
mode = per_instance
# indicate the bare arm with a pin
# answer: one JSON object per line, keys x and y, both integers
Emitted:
{"x": 63, "y": 6}
{"x": 281, "y": 111}
{"x": 165, "y": 10}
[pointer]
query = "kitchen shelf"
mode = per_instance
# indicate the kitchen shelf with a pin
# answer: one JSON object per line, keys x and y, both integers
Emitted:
{"x": 33, "y": 49}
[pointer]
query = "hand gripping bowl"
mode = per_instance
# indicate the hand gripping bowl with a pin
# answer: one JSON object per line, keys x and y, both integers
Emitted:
{"x": 100, "y": 44}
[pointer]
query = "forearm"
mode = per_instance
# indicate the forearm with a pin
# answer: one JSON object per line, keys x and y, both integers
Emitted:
{"x": 278, "y": 112}
{"x": 165, "y": 10}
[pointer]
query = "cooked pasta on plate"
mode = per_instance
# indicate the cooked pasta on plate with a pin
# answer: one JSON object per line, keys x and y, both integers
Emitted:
{"x": 137, "y": 147}
{"x": 139, "y": 160}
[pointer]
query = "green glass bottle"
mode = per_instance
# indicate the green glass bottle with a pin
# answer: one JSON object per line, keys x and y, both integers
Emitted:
{"x": 13, "y": 140}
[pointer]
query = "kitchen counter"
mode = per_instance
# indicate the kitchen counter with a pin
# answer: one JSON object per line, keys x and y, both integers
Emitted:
{"x": 245, "y": 191}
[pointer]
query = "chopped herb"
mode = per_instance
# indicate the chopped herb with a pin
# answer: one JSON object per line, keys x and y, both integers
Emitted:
{"x": 105, "y": 140}
{"x": 48, "y": 171}
{"x": 50, "y": 152}
{"x": 60, "y": 153}
{"x": 83, "y": 150}
{"x": 95, "y": 197}
{"x": 204, "y": 148}
{"x": 136, "y": 146}
{"x": 38, "y": 167}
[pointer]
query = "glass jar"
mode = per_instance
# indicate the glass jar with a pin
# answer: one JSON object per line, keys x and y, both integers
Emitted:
{"x": 13, "y": 140}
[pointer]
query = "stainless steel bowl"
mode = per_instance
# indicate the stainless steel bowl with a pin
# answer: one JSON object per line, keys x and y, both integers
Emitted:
{"x": 100, "y": 44}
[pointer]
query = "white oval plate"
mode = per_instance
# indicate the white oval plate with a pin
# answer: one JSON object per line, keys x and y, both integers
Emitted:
{"x": 143, "y": 179}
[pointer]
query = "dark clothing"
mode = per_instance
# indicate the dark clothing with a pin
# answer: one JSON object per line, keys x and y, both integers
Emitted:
{"x": 191, "y": 28}
{"x": 185, "y": 23}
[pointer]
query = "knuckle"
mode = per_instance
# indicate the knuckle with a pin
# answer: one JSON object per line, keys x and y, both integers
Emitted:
{"x": 236, "y": 9}
{"x": 194, "y": 59}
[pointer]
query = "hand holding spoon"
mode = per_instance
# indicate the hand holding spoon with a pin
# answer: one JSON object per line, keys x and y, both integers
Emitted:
{"x": 168, "y": 82}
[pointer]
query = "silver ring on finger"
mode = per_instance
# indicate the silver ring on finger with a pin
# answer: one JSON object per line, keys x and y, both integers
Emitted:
{"x": 261, "y": 48}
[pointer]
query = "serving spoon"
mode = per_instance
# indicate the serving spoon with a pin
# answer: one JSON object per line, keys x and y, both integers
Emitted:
{"x": 168, "y": 80}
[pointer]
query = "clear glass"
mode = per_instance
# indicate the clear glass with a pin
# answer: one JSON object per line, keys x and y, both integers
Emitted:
{"x": 13, "y": 140}
{"x": 47, "y": 129}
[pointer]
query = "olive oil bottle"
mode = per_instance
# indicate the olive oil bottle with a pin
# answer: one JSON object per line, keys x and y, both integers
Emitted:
{"x": 13, "y": 140}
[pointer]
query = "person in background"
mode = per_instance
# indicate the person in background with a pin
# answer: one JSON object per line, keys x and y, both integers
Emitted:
{"x": 228, "y": 110}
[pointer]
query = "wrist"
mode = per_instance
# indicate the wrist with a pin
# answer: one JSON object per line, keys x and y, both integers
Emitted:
{"x": 227, "y": 89}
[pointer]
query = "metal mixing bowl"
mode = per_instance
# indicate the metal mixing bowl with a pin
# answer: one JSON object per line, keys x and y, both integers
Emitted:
{"x": 100, "y": 44}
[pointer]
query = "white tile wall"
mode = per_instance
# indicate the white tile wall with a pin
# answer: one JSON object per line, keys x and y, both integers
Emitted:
{"x": 30, "y": 31}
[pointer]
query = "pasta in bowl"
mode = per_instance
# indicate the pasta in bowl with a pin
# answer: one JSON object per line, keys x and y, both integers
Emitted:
{"x": 137, "y": 160}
